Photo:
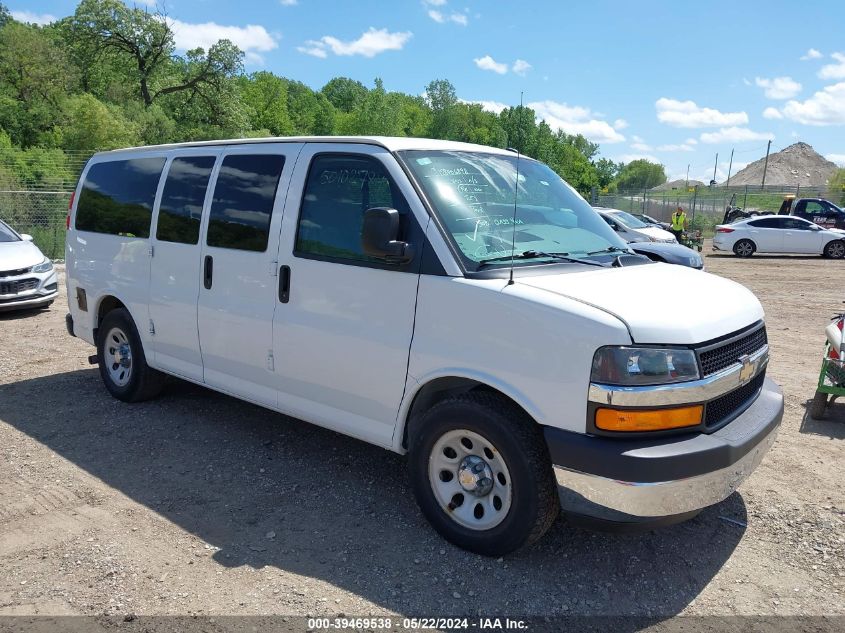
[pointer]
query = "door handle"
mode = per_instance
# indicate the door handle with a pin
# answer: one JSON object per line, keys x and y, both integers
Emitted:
{"x": 208, "y": 272}
{"x": 284, "y": 284}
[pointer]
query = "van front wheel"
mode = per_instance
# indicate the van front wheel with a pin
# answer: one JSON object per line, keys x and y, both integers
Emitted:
{"x": 123, "y": 366}
{"x": 481, "y": 473}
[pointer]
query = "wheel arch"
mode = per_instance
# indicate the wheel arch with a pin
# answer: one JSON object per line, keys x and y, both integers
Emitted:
{"x": 430, "y": 392}
{"x": 106, "y": 304}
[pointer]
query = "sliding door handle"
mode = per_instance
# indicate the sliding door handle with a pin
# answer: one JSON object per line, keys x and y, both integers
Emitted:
{"x": 208, "y": 272}
{"x": 284, "y": 284}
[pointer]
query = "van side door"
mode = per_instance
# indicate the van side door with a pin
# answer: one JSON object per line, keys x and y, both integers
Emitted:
{"x": 175, "y": 265}
{"x": 237, "y": 291}
{"x": 344, "y": 322}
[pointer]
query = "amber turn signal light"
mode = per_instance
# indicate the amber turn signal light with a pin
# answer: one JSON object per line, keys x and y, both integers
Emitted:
{"x": 648, "y": 420}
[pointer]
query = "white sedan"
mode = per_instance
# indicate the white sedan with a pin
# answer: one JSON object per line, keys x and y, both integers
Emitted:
{"x": 779, "y": 234}
{"x": 27, "y": 278}
{"x": 632, "y": 229}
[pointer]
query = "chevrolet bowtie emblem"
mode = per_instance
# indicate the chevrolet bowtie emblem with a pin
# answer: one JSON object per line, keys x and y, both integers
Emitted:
{"x": 747, "y": 371}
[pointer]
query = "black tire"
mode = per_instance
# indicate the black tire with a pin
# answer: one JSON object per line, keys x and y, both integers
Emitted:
{"x": 143, "y": 382}
{"x": 744, "y": 248}
{"x": 834, "y": 249}
{"x": 818, "y": 407}
{"x": 534, "y": 503}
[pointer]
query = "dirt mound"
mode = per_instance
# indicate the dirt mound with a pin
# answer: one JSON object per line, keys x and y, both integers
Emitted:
{"x": 798, "y": 164}
{"x": 677, "y": 184}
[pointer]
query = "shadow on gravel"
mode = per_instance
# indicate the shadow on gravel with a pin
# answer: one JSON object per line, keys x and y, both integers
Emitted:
{"x": 14, "y": 315}
{"x": 832, "y": 426}
{"x": 342, "y": 511}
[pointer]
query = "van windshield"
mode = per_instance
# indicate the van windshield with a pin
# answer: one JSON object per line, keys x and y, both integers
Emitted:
{"x": 473, "y": 195}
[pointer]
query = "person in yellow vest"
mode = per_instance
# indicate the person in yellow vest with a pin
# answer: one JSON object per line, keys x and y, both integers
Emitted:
{"x": 679, "y": 223}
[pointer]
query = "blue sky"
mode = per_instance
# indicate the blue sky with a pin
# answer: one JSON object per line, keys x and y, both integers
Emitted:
{"x": 673, "y": 81}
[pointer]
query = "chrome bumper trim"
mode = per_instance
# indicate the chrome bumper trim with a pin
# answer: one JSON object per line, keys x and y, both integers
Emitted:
{"x": 658, "y": 499}
{"x": 690, "y": 392}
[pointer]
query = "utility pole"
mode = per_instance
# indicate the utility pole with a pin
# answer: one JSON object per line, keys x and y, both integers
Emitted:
{"x": 715, "y": 166}
{"x": 766, "y": 165}
{"x": 730, "y": 166}
{"x": 686, "y": 184}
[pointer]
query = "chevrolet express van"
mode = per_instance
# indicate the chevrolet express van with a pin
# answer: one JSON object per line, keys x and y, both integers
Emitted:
{"x": 458, "y": 303}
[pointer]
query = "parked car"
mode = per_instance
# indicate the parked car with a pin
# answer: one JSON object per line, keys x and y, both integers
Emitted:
{"x": 652, "y": 221}
{"x": 816, "y": 210}
{"x": 631, "y": 229}
{"x": 779, "y": 234}
{"x": 669, "y": 253}
{"x": 371, "y": 286}
{"x": 27, "y": 278}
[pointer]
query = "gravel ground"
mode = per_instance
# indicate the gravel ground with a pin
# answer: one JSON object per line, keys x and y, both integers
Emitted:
{"x": 197, "y": 503}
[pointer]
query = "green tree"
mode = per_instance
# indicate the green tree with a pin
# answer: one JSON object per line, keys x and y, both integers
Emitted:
{"x": 640, "y": 174}
{"x": 836, "y": 187}
{"x": 266, "y": 97}
{"x": 345, "y": 94}
{"x": 146, "y": 40}
{"x": 5, "y": 16}
{"x": 607, "y": 171}
{"x": 379, "y": 114}
{"x": 441, "y": 98}
{"x": 88, "y": 124}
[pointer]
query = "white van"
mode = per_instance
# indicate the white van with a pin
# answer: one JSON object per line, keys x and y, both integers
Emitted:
{"x": 427, "y": 297}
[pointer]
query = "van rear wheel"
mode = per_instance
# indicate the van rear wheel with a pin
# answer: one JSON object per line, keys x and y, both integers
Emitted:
{"x": 481, "y": 473}
{"x": 123, "y": 366}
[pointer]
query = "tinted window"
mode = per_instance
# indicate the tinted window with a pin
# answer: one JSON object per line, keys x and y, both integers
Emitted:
{"x": 7, "y": 234}
{"x": 180, "y": 210}
{"x": 338, "y": 192}
{"x": 768, "y": 223}
{"x": 795, "y": 223}
{"x": 117, "y": 197}
{"x": 243, "y": 201}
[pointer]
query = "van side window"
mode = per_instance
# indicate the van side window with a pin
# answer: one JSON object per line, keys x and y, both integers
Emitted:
{"x": 117, "y": 197}
{"x": 243, "y": 201}
{"x": 339, "y": 189}
{"x": 180, "y": 210}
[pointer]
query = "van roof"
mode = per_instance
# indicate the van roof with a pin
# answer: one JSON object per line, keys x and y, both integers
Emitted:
{"x": 390, "y": 143}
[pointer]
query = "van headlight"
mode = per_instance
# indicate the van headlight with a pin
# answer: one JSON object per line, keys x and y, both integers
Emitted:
{"x": 635, "y": 366}
{"x": 44, "y": 267}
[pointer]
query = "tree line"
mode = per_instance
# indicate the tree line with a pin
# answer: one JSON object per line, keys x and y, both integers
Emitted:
{"x": 110, "y": 76}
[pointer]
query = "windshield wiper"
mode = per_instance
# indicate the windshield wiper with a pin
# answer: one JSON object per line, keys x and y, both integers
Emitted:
{"x": 610, "y": 249}
{"x": 534, "y": 254}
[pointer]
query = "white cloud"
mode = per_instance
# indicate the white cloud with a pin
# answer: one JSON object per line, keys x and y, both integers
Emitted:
{"x": 689, "y": 114}
{"x": 620, "y": 124}
{"x": 772, "y": 113}
{"x": 677, "y": 147}
{"x": 488, "y": 63}
{"x": 778, "y": 87}
{"x": 288, "y": 3}
{"x": 639, "y": 146}
{"x": 521, "y": 67}
{"x": 371, "y": 43}
{"x": 839, "y": 159}
{"x": 735, "y": 135}
{"x": 435, "y": 3}
{"x": 627, "y": 158}
{"x": 834, "y": 71}
{"x": 826, "y": 107}
{"x": 491, "y": 106}
{"x": 441, "y": 18}
{"x": 576, "y": 120}
{"x": 251, "y": 39}
{"x": 811, "y": 54}
{"x": 34, "y": 18}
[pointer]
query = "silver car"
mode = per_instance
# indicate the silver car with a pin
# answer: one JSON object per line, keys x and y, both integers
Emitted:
{"x": 27, "y": 278}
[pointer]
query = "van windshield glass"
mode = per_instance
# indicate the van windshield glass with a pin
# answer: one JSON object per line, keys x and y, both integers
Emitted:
{"x": 473, "y": 195}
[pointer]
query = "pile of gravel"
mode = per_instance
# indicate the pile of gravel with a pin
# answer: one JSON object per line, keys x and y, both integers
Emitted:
{"x": 680, "y": 184}
{"x": 798, "y": 164}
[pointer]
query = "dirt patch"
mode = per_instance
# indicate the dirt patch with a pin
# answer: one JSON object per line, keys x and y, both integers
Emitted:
{"x": 197, "y": 503}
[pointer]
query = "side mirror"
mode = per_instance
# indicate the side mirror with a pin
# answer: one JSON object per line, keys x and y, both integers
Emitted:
{"x": 379, "y": 236}
{"x": 26, "y": 237}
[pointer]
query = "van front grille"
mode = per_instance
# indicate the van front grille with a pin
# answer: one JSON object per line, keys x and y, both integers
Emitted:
{"x": 723, "y": 356}
{"x": 725, "y": 408}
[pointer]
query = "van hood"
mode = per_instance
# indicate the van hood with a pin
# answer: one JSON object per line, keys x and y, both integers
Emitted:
{"x": 660, "y": 303}
{"x": 16, "y": 255}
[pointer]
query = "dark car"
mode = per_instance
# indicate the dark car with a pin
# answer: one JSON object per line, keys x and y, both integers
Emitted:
{"x": 650, "y": 220}
{"x": 817, "y": 210}
{"x": 668, "y": 253}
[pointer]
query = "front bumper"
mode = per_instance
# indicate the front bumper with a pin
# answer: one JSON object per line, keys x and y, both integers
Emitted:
{"x": 39, "y": 290}
{"x": 634, "y": 480}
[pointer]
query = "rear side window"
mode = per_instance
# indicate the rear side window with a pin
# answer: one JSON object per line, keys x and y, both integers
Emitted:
{"x": 340, "y": 188}
{"x": 768, "y": 223}
{"x": 243, "y": 201}
{"x": 117, "y": 197}
{"x": 180, "y": 211}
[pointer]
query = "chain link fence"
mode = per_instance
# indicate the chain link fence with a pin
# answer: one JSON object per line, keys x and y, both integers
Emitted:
{"x": 35, "y": 189}
{"x": 705, "y": 206}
